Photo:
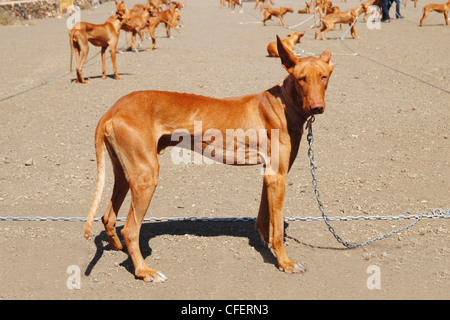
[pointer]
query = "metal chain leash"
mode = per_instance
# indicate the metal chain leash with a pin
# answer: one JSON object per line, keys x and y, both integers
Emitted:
{"x": 434, "y": 214}
{"x": 313, "y": 167}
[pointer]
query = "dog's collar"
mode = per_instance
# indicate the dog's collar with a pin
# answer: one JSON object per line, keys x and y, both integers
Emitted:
{"x": 288, "y": 101}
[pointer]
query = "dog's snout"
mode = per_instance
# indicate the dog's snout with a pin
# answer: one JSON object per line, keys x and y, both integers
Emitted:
{"x": 317, "y": 107}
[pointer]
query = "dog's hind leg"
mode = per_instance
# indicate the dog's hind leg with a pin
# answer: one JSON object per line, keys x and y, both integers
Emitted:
{"x": 142, "y": 186}
{"x": 120, "y": 191}
{"x": 140, "y": 162}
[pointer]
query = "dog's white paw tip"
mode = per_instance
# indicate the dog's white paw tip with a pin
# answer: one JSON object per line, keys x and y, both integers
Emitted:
{"x": 161, "y": 277}
{"x": 298, "y": 268}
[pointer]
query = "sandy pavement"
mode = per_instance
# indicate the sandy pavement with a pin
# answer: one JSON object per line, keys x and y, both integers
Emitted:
{"x": 382, "y": 148}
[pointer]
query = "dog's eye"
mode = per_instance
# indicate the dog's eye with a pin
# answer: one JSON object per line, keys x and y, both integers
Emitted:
{"x": 324, "y": 78}
{"x": 303, "y": 79}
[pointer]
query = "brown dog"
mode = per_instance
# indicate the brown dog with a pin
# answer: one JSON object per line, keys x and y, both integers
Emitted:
{"x": 233, "y": 4}
{"x": 441, "y": 8}
{"x": 288, "y": 43}
{"x": 264, "y": 2}
{"x": 347, "y": 17}
{"x": 153, "y": 23}
{"x": 142, "y": 124}
{"x": 276, "y": 12}
{"x": 170, "y": 19}
{"x": 415, "y": 3}
{"x": 103, "y": 35}
{"x": 222, "y": 3}
{"x": 136, "y": 22}
{"x": 307, "y": 8}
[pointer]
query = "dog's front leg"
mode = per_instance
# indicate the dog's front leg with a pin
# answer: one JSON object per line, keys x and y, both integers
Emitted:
{"x": 262, "y": 222}
{"x": 276, "y": 185}
{"x": 104, "y": 62}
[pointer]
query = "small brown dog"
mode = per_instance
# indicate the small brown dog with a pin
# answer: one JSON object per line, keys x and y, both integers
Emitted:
{"x": 276, "y": 12}
{"x": 140, "y": 125}
{"x": 441, "y": 8}
{"x": 264, "y": 2}
{"x": 170, "y": 18}
{"x": 307, "y": 9}
{"x": 233, "y": 4}
{"x": 153, "y": 23}
{"x": 288, "y": 43}
{"x": 136, "y": 22}
{"x": 415, "y": 3}
{"x": 222, "y": 3}
{"x": 347, "y": 17}
{"x": 100, "y": 35}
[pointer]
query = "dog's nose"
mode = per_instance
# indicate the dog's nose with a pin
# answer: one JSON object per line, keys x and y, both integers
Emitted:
{"x": 317, "y": 107}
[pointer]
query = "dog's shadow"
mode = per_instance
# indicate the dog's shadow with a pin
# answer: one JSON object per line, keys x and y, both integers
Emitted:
{"x": 108, "y": 76}
{"x": 243, "y": 229}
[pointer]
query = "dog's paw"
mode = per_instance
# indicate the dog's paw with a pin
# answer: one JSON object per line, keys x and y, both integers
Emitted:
{"x": 293, "y": 267}
{"x": 150, "y": 275}
{"x": 158, "y": 277}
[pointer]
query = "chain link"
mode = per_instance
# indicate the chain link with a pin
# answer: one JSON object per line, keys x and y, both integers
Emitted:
{"x": 435, "y": 214}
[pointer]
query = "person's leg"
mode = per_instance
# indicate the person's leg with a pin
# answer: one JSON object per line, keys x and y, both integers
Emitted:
{"x": 385, "y": 10}
{"x": 397, "y": 8}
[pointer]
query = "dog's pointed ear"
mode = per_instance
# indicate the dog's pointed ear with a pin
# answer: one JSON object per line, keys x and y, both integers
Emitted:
{"x": 326, "y": 57}
{"x": 288, "y": 59}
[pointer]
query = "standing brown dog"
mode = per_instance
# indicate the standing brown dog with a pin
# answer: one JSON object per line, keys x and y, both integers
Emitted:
{"x": 347, "y": 17}
{"x": 276, "y": 12}
{"x": 441, "y": 8}
{"x": 136, "y": 22}
{"x": 142, "y": 124}
{"x": 100, "y": 35}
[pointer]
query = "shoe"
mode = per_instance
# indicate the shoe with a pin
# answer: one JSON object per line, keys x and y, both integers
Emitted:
{"x": 386, "y": 20}
{"x": 400, "y": 17}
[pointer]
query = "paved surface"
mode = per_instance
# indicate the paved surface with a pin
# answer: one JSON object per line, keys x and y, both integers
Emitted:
{"x": 382, "y": 148}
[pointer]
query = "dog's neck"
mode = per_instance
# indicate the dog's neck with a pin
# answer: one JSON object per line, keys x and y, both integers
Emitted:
{"x": 117, "y": 21}
{"x": 292, "y": 99}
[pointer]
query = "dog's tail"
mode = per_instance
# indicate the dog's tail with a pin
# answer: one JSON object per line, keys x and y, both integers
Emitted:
{"x": 71, "y": 47}
{"x": 100, "y": 154}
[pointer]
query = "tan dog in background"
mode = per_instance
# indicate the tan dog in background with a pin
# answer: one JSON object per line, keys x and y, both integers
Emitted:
{"x": 289, "y": 43}
{"x": 100, "y": 35}
{"x": 276, "y": 12}
{"x": 347, "y": 17}
{"x": 441, "y": 8}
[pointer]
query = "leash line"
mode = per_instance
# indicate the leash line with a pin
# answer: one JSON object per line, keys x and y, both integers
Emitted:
{"x": 394, "y": 69}
{"x": 433, "y": 214}
{"x": 44, "y": 83}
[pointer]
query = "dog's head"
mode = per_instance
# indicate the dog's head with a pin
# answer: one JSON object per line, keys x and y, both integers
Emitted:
{"x": 310, "y": 76}
{"x": 289, "y": 10}
{"x": 295, "y": 37}
{"x": 121, "y": 10}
